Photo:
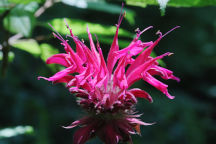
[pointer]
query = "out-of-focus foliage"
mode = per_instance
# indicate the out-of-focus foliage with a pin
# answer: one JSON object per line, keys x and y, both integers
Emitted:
{"x": 21, "y": 19}
{"x": 31, "y": 46}
{"x": 10, "y": 132}
{"x": 105, "y": 33}
{"x": 80, "y": 27}
{"x": 24, "y": 1}
{"x": 101, "y": 5}
{"x": 173, "y": 3}
{"x": 3, "y": 6}
{"x": 188, "y": 119}
{"x": 10, "y": 56}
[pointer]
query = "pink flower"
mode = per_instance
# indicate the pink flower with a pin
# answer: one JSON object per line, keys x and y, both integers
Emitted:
{"x": 103, "y": 86}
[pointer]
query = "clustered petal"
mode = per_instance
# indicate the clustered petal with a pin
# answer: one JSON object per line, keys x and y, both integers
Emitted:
{"x": 103, "y": 86}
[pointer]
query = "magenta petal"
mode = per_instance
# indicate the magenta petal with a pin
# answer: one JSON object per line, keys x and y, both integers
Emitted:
{"x": 93, "y": 62}
{"x": 133, "y": 49}
{"x": 119, "y": 77}
{"x": 111, "y": 136}
{"x": 157, "y": 84}
{"x": 137, "y": 121}
{"x": 141, "y": 94}
{"x": 82, "y": 121}
{"x": 79, "y": 49}
{"x": 142, "y": 57}
{"x": 136, "y": 73}
{"x": 61, "y": 74}
{"x": 74, "y": 56}
{"x": 83, "y": 134}
{"x": 131, "y": 97}
{"x": 125, "y": 127}
{"x": 62, "y": 59}
{"x": 163, "y": 72}
{"x": 92, "y": 46}
{"x": 71, "y": 83}
{"x": 81, "y": 93}
{"x": 111, "y": 60}
{"x": 64, "y": 79}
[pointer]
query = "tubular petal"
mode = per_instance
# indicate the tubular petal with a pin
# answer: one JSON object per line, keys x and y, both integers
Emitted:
{"x": 136, "y": 73}
{"x": 59, "y": 59}
{"x": 157, "y": 84}
{"x": 141, "y": 94}
{"x": 142, "y": 57}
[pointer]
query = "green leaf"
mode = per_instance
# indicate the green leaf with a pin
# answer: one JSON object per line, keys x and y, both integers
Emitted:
{"x": 105, "y": 33}
{"x": 112, "y": 8}
{"x": 4, "y": 5}
{"x": 25, "y": 1}
{"x": 10, "y": 132}
{"x": 2, "y": 10}
{"x": 31, "y": 46}
{"x": 141, "y": 3}
{"x": 163, "y": 4}
{"x": 47, "y": 50}
{"x": 21, "y": 19}
{"x": 28, "y": 45}
{"x": 80, "y": 27}
{"x": 101, "y": 5}
{"x": 10, "y": 56}
{"x": 191, "y": 3}
{"x": 173, "y": 3}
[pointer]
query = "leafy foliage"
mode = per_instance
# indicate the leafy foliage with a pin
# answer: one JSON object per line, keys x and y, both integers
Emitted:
{"x": 10, "y": 56}
{"x": 10, "y": 132}
{"x": 173, "y": 3}
{"x": 79, "y": 27}
{"x": 31, "y": 46}
{"x": 21, "y": 19}
{"x": 101, "y": 5}
{"x": 4, "y": 5}
{"x": 24, "y": 1}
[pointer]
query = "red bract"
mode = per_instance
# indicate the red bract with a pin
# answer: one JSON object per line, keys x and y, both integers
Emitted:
{"x": 103, "y": 90}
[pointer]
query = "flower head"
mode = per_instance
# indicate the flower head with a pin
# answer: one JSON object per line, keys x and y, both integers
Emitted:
{"x": 103, "y": 86}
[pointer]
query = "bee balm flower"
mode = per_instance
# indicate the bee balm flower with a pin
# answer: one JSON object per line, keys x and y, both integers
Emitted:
{"x": 103, "y": 86}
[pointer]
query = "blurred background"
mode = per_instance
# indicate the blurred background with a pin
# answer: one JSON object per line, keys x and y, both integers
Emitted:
{"x": 32, "y": 111}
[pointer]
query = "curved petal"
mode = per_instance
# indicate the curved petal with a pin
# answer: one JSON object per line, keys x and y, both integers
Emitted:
{"x": 64, "y": 79}
{"x": 163, "y": 72}
{"x": 82, "y": 121}
{"x": 137, "y": 121}
{"x": 142, "y": 57}
{"x": 136, "y": 73}
{"x": 157, "y": 84}
{"x": 83, "y": 134}
{"x": 59, "y": 75}
{"x": 92, "y": 46}
{"x": 141, "y": 94}
{"x": 111, "y": 60}
{"x": 119, "y": 77}
{"x": 59, "y": 59}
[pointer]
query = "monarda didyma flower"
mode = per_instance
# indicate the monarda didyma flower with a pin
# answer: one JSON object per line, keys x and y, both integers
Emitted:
{"x": 103, "y": 86}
